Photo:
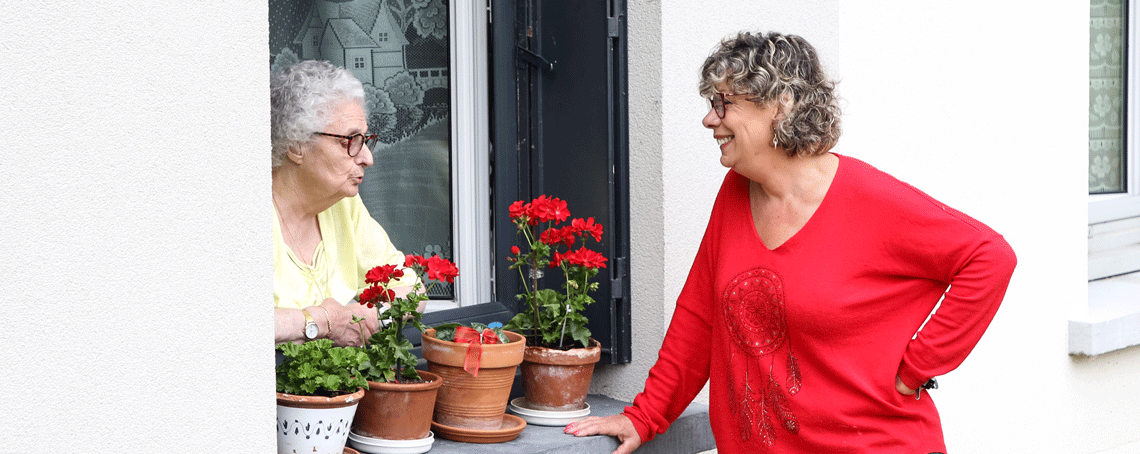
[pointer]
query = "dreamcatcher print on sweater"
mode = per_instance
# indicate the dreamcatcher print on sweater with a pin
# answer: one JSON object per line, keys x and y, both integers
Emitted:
{"x": 753, "y": 304}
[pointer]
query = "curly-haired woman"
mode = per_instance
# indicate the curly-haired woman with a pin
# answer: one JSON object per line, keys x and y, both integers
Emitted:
{"x": 804, "y": 304}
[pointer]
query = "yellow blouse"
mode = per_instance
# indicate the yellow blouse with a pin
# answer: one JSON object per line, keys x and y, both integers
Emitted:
{"x": 351, "y": 244}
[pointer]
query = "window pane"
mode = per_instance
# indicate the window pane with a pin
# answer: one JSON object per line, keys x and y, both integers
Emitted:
{"x": 1106, "y": 97}
{"x": 399, "y": 50}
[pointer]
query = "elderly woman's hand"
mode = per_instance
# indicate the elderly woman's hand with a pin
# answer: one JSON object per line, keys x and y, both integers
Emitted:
{"x": 616, "y": 425}
{"x": 344, "y": 332}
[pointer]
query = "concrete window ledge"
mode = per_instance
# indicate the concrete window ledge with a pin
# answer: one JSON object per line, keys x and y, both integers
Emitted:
{"x": 691, "y": 433}
{"x": 1113, "y": 319}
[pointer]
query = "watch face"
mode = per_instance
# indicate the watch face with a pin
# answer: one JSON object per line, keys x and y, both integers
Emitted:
{"x": 311, "y": 330}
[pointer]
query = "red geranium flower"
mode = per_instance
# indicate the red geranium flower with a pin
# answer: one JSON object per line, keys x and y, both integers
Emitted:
{"x": 441, "y": 269}
{"x": 588, "y": 227}
{"x": 382, "y": 274}
{"x": 587, "y": 258}
{"x": 518, "y": 209}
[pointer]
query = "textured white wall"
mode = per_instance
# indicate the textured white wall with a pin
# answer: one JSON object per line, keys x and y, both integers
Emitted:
{"x": 981, "y": 103}
{"x": 134, "y": 191}
{"x": 646, "y": 228}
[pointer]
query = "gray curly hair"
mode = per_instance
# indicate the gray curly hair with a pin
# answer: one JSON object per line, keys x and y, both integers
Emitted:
{"x": 784, "y": 68}
{"x": 301, "y": 98}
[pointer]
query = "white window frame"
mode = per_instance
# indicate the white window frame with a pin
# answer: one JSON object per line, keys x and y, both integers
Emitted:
{"x": 1112, "y": 321}
{"x": 1114, "y": 219}
{"x": 470, "y": 156}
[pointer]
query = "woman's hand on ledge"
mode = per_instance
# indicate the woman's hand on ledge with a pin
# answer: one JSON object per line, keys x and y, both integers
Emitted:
{"x": 616, "y": 425}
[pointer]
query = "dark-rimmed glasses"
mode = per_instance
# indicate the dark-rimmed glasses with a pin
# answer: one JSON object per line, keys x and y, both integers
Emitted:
{"x": 718, "y": 102}
{"x": 354, "y": 141}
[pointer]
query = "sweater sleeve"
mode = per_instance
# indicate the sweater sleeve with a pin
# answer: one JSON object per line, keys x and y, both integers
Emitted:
{"x": 682, "y": 366}
{"x": 977, "y": 288}
{"x": 934, "y": 241}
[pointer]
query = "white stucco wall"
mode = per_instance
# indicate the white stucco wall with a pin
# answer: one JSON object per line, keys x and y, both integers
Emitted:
{"x": 133, "y": 192}
{"x": 983, "y": 104}
{"x": 134, "y": 265}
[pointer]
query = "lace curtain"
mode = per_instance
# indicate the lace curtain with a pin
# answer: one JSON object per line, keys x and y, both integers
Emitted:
{"x": 1106, "y": 96}
{"x": 399, "y": 49}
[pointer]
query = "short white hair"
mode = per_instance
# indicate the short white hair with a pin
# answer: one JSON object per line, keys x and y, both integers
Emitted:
{"x": 301, "y": 98}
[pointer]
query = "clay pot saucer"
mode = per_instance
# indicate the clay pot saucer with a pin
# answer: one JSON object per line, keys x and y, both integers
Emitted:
{"x": 512, "y": 427}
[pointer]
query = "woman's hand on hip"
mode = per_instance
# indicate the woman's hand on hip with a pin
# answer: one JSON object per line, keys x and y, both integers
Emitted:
{"x": 344, "y": 332}
{"x": 902, "y": 388}
{"x": 616, "y": 425}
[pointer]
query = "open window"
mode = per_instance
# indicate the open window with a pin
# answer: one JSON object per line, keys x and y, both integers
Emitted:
{"x": 477, "y": 106}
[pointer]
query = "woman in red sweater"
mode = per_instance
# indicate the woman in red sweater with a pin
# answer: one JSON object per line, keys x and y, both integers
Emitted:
{"x": 815, "y": 272}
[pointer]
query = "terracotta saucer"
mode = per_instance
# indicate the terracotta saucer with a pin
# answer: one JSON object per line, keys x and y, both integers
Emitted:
{"x": 512, "y": 427}
{"x": 348, "y": 450}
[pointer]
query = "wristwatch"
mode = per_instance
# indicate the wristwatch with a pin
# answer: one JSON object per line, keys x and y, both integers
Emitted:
{"x": 311, "y": 329}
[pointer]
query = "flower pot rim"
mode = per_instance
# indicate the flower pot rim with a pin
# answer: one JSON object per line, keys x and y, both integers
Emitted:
{"x": 432, "y": 381}
{"x": 570, "y": 357}
{"x": 452, "y": 354}
{"x": 511, "y": 335}
{"x": 304, "y": 401}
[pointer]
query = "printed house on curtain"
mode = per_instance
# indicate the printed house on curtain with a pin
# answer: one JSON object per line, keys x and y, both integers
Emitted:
{"x": 335, "y": 31}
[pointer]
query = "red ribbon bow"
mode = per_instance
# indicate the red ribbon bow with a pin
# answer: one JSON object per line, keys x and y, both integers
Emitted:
{"x": 474, "y": 341}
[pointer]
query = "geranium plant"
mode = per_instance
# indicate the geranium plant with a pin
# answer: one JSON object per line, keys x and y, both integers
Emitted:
{"x": 554, "y": 318}
{"x": 389, "y": 353}
{"x": 316, "y": 368}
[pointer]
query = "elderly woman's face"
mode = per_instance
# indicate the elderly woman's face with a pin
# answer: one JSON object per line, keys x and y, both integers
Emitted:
{"x": 328, "y": 167}
{"x": 745, "y": 130}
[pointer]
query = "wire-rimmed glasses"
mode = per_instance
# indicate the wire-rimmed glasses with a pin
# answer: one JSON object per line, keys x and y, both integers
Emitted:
{"x": 355, "y": 141}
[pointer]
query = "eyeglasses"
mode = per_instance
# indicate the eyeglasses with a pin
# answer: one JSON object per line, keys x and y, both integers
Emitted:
{"x": 354, "y": 141}
{"x": 718, "y": 102}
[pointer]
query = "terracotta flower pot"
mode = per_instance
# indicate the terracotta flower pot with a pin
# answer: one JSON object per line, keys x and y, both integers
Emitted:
{"x": 558, "y": 380}
{"x": 398, "y": 411}
{"x": 315, "y": 424}
{"x": 466, "y": 401}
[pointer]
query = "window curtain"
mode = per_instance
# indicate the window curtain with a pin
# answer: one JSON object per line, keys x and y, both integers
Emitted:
{"x": 1107, "y": 34}
{"x": 399, "y": 49}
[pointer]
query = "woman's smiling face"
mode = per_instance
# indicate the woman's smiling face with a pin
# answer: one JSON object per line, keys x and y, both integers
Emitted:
{"x": 745, "y": 130}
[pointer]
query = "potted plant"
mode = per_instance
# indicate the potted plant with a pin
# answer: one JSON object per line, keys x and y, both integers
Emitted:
{"x": 318, "y": 389}
{"x": 560, "y": 354}
{"x": 399, "y": 402}
{"x": 478, "y": 366}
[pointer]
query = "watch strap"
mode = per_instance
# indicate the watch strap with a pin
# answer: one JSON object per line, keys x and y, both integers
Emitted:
{"x": 309, "y": 321}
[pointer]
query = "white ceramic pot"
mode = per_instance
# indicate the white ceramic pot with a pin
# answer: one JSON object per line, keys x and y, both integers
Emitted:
{"x": 314, "y": 424}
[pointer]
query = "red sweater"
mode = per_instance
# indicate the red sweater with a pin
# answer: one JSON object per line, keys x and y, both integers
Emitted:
{"x": 802, "y": 344}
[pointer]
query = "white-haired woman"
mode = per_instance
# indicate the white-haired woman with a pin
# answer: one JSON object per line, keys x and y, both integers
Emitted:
{"x": 324, "y": 240}
{"x": 814, "y": 275}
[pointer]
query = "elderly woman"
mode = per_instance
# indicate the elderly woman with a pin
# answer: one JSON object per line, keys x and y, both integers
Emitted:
{"x": 814, "y": 274}
{"x": 324, "y": 240}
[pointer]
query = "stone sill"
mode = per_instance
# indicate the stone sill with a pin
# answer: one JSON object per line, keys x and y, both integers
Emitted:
{"x": 691, "y": 433}
{"x": 1113, "y": 319}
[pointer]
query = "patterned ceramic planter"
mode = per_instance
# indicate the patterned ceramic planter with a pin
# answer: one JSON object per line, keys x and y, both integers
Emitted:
{"x": 315, "y": 424}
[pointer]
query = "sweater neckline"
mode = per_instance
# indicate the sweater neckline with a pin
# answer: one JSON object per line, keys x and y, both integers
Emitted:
{"x": 746, "y": 213}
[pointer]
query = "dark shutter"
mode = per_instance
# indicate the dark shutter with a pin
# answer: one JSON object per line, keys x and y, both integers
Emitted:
{"x": 560, "y": 128}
